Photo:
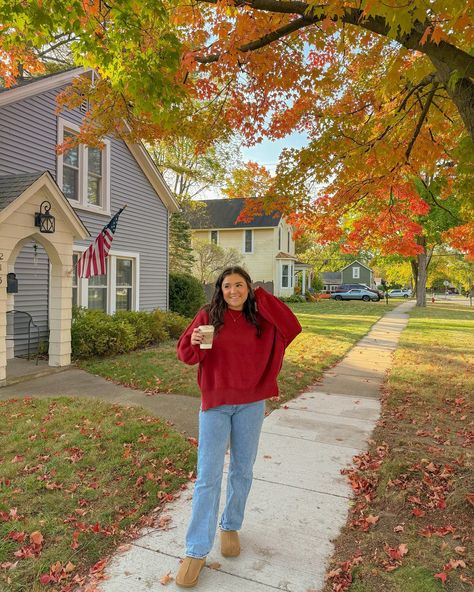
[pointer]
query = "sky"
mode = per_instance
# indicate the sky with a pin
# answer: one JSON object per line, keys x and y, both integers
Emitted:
{"x": 267, "y": 152}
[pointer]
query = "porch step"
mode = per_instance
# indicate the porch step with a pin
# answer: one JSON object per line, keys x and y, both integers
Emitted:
{"x": 24, "y": 373}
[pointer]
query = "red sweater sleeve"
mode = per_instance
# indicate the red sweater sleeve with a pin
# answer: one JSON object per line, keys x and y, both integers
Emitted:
{"x": 187, "y": 353}
{"x": 278, "y": 314}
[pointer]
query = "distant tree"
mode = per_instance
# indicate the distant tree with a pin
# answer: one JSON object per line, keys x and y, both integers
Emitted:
{"x": 211, "y": 259}
{"x": 190, "y": 170}
{"x": 181, "y": 257}
{"x": 250, "y": 180}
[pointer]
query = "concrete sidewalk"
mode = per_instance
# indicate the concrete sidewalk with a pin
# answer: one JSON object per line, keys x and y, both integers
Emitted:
{"x": 299, "y": 500}
{"x": 181, "y": 410}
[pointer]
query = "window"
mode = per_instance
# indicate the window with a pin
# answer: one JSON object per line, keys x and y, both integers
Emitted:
{"x": 124, "y": 284}
{"x": 289, "y": 237}
{"x": 279, "y": 238}
{"x": 94, "y": 177}
{"x": 71, "y": 170}
{"x": 285, "y": 272}
{"x": 356, "y": 273}
{"x": 83, "y": 171}
{"x": 248, "y": 243}
{"x": 214, "y": 237}
{"x": 116, "y": 290}
{"x": 97, "y": 293}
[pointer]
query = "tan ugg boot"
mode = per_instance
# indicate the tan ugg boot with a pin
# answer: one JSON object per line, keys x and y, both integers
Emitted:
{"x": 188, "y": 574}
{"x": 230, "y": 544}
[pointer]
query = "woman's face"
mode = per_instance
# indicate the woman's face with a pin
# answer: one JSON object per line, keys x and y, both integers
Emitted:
{"x": 235, "y": 291}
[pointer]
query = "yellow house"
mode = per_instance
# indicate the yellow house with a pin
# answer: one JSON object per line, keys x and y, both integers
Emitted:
{"x": 266, "y": 243}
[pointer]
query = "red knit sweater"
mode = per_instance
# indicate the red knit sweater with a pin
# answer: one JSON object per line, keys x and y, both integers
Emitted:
{"x": 241, "y": 367}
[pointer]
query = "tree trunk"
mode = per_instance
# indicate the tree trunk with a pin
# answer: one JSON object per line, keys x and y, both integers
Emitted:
{"x": 421, "y": 279}
{"x": 420, "y": 270}
{"x": 461, "y": 92}
{"x": 414, "y": 273}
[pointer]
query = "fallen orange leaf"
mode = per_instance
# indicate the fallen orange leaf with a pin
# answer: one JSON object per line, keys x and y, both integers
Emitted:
{"x": 36, "y": 537}
{"x": 166, "y": 579}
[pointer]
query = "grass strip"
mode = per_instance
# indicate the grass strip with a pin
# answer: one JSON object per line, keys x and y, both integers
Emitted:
{"x": 76, "y": 480}
{"x": 410, "y": 528}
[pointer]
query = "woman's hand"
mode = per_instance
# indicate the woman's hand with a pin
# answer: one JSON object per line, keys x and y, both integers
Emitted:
{"x": 196, "y": 337}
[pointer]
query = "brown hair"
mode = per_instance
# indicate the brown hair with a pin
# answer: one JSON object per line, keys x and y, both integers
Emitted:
{"x": 218, "y": 305}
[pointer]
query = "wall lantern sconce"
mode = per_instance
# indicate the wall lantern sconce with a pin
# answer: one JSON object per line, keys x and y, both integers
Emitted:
{"x": 44, "y": 219}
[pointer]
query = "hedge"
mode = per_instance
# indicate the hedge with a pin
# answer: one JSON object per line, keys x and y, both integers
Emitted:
{"x": 95, "y": 333}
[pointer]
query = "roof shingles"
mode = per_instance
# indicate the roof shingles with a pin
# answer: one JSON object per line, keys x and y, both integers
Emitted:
{"x": 222, "y": 213}
{"x": 12, "y": 186}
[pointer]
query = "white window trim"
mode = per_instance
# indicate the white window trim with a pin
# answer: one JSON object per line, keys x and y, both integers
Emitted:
{"x": 83, "y": 283}
{"x": 82, "y": 204}
{"x": 281, "y": 276}
{"x": 356, "y": 276}
{"x": 210, "y": 236}
{"x": 252, "y": 235}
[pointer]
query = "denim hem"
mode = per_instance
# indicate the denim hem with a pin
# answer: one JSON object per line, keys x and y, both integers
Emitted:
{"x": 227, "y": 529}
{"x": 196, "y": 556}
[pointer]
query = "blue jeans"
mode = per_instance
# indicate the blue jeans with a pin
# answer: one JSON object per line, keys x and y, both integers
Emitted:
{"x": 240, "y": 425}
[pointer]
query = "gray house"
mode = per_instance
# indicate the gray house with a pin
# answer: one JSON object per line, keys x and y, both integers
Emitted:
{"x": 84, "y": 187}
{"x": 354, "y": 273}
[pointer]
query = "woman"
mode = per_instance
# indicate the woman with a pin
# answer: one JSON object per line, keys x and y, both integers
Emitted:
{"x": 252, "y": 330}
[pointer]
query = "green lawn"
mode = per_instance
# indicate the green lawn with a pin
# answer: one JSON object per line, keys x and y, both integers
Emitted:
{"x": 416, "y": 479}
{"x": 77, "y": 478}
{"x": 329, "y": 329}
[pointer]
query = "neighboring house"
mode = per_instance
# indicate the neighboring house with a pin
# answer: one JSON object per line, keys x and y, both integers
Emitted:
{"x": 85, "y": 187}
{"x": 266, "y": 243}
{"x": 354, "y": 273}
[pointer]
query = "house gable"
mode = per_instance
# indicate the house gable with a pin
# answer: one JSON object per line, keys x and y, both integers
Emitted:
{"x": 23, "y": 187}
{"x": 53, "y": 82}
{"x": 357, "y": 263}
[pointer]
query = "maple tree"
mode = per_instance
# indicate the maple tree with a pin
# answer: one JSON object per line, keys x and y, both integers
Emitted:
{"x": 384, "y": 92}
{"x": 250, "y": 180}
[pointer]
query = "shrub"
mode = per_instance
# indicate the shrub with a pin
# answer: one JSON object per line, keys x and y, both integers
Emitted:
{"x": 142, "y": 325}
{"x": 294, "y": 298}
{"x": 173, "y": 323}
{"x": 186, "y": 294}
{"x": 95, "y": 333}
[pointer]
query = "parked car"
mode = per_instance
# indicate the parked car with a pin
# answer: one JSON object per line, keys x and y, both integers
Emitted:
{"x": 357, "y": 294}
{"x": 346, "y": 287}
{"x": 400, "y": 293}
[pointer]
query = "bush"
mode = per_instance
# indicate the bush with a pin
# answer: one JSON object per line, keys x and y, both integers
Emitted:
{"x": 142, "y": 325}
{"x": 186, "y": 294}
{"x": 95, "y": 333}
{"x": 294, "y": 298}
{"x": 173, "y": 323}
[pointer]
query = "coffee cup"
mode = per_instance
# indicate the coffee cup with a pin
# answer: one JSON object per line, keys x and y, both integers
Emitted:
{"x": 207, "y": 336}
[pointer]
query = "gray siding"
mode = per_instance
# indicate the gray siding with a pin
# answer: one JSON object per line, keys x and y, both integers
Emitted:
{"x": 32, "y": 273}
{"x": 365, "y": 275}
{"x": 28, "y": 137}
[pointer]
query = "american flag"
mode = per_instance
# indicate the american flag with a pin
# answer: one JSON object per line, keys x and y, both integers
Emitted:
{"x": 92, "y": 261}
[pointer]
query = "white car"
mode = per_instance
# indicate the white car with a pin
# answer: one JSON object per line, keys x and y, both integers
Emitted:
{"x": 400, "y": 293}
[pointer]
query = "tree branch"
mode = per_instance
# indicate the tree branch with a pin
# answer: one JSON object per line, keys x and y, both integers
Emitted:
{"x": 443, "y": 51}
{"x": 422, "y": 118}
{"x": 265, "y": 40}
